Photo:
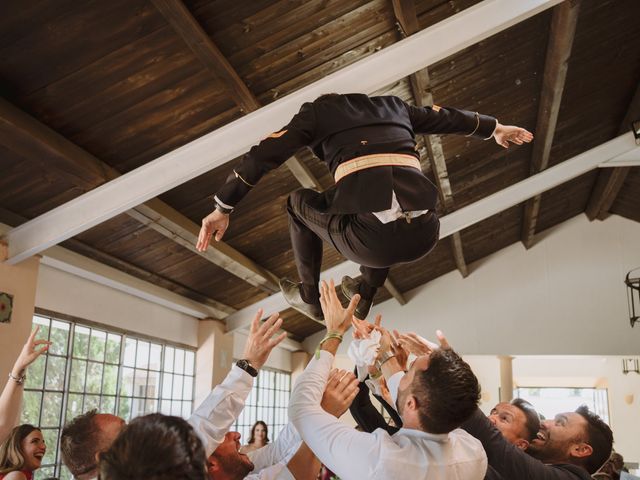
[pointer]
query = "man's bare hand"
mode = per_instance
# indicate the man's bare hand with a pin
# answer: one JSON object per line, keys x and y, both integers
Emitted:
{"x": 216, "y": 223}
{"x": 414, "y": 343}
{"x": 509, "y": 133}
{"x": 342, "y": 388}
{"x": 362, "y": 328}
{"x": 29, "y": 352}
{"x": 337, "y": 318}
{"x": 259, "y": 343}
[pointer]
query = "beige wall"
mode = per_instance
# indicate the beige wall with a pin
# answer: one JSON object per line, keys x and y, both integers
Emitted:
{"x": 20, "y": 281}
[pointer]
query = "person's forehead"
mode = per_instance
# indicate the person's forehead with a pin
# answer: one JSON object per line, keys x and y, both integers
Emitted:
{"x": 575, "y": 419}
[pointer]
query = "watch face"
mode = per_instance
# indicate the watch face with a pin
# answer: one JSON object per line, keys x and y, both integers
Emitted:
{"x": 6, "y": 307}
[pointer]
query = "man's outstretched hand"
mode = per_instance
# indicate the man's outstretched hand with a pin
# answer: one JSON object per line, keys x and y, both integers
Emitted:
{"x": 342, "y": 388}
{"x": 216, "y": 223}
{"x": 505, "y": 134}
{"x": 259, "y": 343}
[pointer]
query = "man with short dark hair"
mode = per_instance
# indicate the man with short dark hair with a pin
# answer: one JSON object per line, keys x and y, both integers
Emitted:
{"x": 437, "y": 394}
{"x": 517, "y": 420}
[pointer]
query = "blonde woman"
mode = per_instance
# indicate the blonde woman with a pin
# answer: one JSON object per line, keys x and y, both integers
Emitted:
{"x": 21, "y": 454}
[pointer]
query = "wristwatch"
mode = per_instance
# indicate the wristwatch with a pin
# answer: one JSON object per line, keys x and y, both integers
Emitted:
{"x": 245, "y": 365}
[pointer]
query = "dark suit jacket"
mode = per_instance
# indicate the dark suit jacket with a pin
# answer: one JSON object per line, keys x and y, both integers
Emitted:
{"x": 508, "y": 462}
{"x": 341, "y": 127}
{"x": 369, "y": 417}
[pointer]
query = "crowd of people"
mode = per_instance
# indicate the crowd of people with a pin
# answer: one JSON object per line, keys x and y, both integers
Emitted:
{"x": 436, "y": 430}
{"x": 381, "y": 212}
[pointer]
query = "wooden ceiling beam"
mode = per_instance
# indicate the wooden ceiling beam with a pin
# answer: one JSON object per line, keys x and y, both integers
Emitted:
{"x": 561, "y": 35}
{"x": 187, "y": 27}
{"x": 28, "y": 137}
{"x": 393, "y": 290}
{"x": 610, "y": 180}
{"x": 405, "y": 13}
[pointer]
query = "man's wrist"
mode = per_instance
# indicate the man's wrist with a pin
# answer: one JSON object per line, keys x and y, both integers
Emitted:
{"x": 331, "y": 345}
{"x": 391, "y": 367}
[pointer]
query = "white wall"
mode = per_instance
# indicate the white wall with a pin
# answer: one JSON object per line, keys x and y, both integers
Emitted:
{"x": 563, "y": 296}
{"x": 66, "y": 293}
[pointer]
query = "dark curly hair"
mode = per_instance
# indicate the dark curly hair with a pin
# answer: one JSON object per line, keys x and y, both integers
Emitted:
{"x": 447, "y": 392}
{"x": 155, "y": 447}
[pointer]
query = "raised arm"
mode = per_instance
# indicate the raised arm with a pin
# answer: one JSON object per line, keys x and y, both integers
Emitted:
{"x": 214, "y": 417}
{"x": 11, "y": 398}
{"x": 270, "y": 153}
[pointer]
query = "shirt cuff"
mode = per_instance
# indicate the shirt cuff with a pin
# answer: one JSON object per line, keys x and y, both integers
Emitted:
{"x": 493, "y": 131}
{"x": 224, "y": 206}
{"x": 394, "y": 383}
{"x": 239, "y": 374}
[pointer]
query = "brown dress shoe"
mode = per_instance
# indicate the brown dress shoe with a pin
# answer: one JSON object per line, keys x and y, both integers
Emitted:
{"x": 291, "y": 292}
{"x": 349, "y": 288}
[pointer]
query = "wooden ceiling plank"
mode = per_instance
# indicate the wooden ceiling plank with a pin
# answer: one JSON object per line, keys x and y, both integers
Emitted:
{"x": 80, "y": 166}
{"x": 610, "y": 180}
{"x": 405, "y": 13}
{"x": 394, "y": 291}
{"x": 234, "y": 139}
{"x": 561, "y": 35}
{"x": 187, "y": 27}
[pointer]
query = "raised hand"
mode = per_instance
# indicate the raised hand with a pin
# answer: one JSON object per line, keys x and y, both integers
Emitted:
{"x": 509, "y": 133}
{"x": 342, "y": 388}
{"x": 414, "y": 343}
{"x": 216, "y": 223}
{"x": 336, "y": 317}
{"x": 259, "y": 343}
{"x": 30, "y": 352}
{"x": 362, "y": 328}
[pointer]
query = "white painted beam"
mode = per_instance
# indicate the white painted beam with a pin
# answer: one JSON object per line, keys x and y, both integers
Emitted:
{"x": 628, "y": 159}
{"x": 471, "y": 214}
{"x": 218, "y": 147}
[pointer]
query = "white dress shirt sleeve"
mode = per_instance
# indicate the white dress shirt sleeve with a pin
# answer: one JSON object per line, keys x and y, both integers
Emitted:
{"x": 214, "y": 417}
{"x": 345, "y": 451}
{"x": 393, "y": 383}
{"x": 281, "y": 450}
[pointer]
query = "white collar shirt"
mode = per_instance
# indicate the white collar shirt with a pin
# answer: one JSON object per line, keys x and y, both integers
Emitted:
{"x": 354, "y": 455}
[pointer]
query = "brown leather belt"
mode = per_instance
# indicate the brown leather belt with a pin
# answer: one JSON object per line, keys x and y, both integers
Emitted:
{"x": 376, "y": 160}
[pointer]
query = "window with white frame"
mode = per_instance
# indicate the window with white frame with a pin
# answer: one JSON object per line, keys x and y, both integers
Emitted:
{"x": 549, "y": 401}
{"x": 90, "y": 367}
{"x": 268, "y": 401}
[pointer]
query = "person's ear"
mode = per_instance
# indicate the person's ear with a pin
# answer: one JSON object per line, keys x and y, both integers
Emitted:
{"x": 522, "y": 444}
{"x": 581, "y": 450}
{"x": 213, "y": 467}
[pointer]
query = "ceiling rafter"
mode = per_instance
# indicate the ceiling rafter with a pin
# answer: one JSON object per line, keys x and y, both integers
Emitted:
{"x": 405, "y": 13}
{"x": 187, "y": 27}
{"x": 561, "y": 35}
{"x": 30, "y": 137}
{"x": 610, "y": 180}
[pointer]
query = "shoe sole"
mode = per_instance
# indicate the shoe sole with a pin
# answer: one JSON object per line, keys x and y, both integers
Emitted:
{"x": 349, "y": 297}
{"x": 299, "y": 310}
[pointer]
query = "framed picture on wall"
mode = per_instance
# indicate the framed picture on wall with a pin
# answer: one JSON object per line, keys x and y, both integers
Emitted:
{"x": 6, "y": 307}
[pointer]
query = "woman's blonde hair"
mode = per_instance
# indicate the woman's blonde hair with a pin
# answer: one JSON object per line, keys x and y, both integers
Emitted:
{"x": 11, "y": 453}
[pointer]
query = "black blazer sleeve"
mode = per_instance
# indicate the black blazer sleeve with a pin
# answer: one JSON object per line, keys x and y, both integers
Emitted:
{"x": 270, "y": 153}
{"x": 509, "y": 461}
{"x": 450, "y": 120}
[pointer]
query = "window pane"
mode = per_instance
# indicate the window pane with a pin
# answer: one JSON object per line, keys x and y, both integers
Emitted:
{"x": 78, "y": 372}
{"x": 110, "y": 380}
{"x": 176, "y": 408}
{"x": 31, "y": 408}
{"x": 142, "y": 355}
{"x": 156, "y": 353}
{"x": 138, "y": 407}
{"x": 140, "y": 384}
{"x": 112, "y": 352}
{"x": 168, "y": 359}
{"x": 153, "y": 385}
{"x": 94, "y": 377}
{"x": 81, "y": 342}
{"x": 97, "y": 345}
{"x": 51, "y": 440}
{"x": 126, "y": 382}
{"x": 151, "y": 406}
{"x": 124, "y": 408}
{"x": 177, "y": 387}
{"x": 108, "y": 405}
{"x": 74, "y": 406}
{"x": 35, "y": 375}
{"x": 55, "y": 373}
{"x": 51, "y": 408}
{"x": 189, "y": 361}
{"x": 129, "y": 352}
{"x": 59, "y": 337}
{"x": 44, "y": 472}
{"x": 91, "y": 402}
{"x": 186, "y": 409}
{"x": 188, "y": 388}
{"x": 179, "y": 365}
{"x": 167, "y": 385}
{"x": 165, "y": 407}
{"x": 43, "y": 323}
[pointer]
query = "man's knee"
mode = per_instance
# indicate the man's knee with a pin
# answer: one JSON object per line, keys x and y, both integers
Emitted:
{"x": 296, "y": 200}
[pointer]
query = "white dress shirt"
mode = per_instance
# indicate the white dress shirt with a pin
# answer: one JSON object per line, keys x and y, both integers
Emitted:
{"x": 354, "y": 455}
{"x": 214, "y": 417}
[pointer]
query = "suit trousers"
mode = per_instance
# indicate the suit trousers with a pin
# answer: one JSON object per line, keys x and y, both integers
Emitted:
{"x": 359, "y": 237}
